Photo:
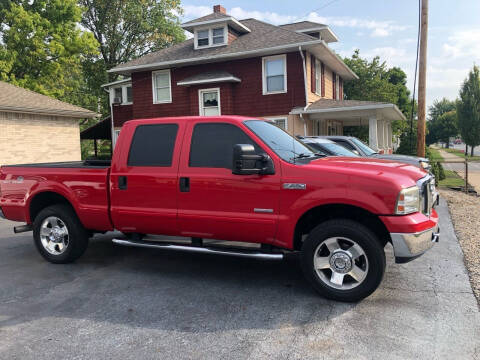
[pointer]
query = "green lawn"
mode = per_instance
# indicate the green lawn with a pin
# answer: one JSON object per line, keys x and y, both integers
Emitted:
{"x": 435, "y": 154}
{"x": 451, "y": 180}
{"x": 461, "y": 154}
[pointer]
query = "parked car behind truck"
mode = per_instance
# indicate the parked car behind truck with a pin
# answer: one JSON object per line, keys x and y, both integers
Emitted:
{"x": 236, "y": 179}
{"x": 360, "y": 148}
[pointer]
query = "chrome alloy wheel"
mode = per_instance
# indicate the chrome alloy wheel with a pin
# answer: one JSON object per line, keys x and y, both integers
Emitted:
{"x": 54, "y": 235}
{"x": 340, "y": 263}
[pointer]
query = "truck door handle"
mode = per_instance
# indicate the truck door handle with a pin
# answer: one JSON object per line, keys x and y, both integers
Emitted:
{"x": 122, "y": 182}
{"x": 184, "y": 184}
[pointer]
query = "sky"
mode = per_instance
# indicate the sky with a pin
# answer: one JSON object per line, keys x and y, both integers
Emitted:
{"x": 387, "y": 28}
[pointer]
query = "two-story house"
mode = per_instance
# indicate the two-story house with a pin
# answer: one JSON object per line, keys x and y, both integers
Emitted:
{"x": 286, "y": 73}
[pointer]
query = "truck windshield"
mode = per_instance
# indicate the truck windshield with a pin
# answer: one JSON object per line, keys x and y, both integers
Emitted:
{"x": 366, "y": 149}
{"x": 284, "y": 145}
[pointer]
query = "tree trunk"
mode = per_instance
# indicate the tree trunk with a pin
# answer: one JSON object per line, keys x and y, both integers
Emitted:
{"x": 447, "y": 144}
{"x": 466, "y": 150}
{"x": 472, "y": 151}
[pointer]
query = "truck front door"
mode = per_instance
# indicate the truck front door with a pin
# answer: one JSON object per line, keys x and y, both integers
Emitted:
{"x": 214, "y": 203}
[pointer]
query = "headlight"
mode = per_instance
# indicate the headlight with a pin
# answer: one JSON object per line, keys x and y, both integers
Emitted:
{"x": 408, "y": 201}
{"x": 425, "y": 165}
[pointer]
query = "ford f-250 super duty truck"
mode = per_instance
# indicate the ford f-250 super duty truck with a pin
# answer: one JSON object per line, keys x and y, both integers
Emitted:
{"x": 234, "y": 179}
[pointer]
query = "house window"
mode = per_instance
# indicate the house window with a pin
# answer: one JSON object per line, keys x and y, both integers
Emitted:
{"x": 122, "y": 94}
{"x": 318, "y": 77}
{"x": 117, "y": 95}
{"x": 210, "y": 37}
{"x": 162, "y": 91}
{"x": 209, "y": 100}
{"x": 280, "y": 121}
{"x": 129, "y": 94}
{"x": 274, "y": 74}
{"x": 218, "y": 36}
{"x": 203, "y": 38}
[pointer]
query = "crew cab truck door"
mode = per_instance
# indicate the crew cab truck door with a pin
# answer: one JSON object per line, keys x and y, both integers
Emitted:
{"x": 144, "y": 178}
{"x": 217, "y": 204}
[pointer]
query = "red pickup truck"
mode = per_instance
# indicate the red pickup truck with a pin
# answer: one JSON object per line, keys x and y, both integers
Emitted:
{"x": 234, "y": 179}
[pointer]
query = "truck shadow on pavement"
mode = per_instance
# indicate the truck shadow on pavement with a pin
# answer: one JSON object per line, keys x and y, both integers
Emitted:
{"x": 157, "y": 289}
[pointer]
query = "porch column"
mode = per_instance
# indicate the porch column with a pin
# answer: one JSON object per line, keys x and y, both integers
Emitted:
{"x": 381, "y": 136}
{"x": 390, "y": 136}
{"x": 372, "y": 132}
{"x": 385, "y": 136}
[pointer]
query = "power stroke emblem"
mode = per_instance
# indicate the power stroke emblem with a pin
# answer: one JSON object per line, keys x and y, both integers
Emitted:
{"x": 294, "y": 186}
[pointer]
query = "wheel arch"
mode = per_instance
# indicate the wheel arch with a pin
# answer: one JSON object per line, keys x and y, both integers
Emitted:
{"x": 321, "y": 213}
{"x": 43, "y": 199}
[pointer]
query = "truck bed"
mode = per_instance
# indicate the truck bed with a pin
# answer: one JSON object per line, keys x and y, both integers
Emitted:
{"x": 84, "y": 184}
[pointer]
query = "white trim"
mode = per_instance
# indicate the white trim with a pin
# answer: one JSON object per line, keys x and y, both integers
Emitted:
{"x": 274, "y": 118}
{"x": 116, "y": 82}
{"x": 188, "y": 26}
{"x": 210, "y": 37}
{"x": 264, "y": 74}
{"x": 200, "y": 100}
{"x": 207, "y": 81}
{"x": 318, "y": 74}
{"x": 337, "y": 87}
{"x": 154, "y": 86}
{"x": 349, "y": 108}
{"x": 320, "y": 29}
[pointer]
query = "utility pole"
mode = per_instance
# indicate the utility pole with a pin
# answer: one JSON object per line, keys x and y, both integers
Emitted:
{"x": 422, "y": 80}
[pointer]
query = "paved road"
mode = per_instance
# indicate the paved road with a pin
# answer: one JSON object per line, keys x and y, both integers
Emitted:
{"x": 473, "y": 169}
{"x": 476, "y": 150}
{"x": 126, "y": 303}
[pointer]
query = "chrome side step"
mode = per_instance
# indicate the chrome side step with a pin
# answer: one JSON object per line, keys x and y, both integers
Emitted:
{"x": 203, "y": 250}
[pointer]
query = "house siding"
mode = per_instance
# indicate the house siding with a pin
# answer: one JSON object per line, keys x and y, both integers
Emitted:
{"x": 243, "y": 98}
{"x": 121, "y": 113}
{"x": 32, "y": 138}
{"x": 328, "y": 81}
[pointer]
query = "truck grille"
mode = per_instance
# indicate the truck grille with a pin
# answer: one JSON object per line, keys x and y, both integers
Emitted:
{"x": 427, "y": 192}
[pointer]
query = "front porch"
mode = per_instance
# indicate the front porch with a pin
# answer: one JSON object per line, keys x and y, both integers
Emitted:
{"x": 331, "y": 117}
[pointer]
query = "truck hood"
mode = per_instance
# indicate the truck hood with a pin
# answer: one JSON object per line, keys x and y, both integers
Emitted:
{"x": 401, "y": 173}
{"x": 402, "y": 158}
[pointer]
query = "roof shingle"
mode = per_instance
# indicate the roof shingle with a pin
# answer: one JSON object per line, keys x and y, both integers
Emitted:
{"x": 14, "y": 98}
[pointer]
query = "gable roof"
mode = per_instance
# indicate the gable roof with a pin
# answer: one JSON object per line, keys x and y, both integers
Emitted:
{"x": 212, "y": 16}
{"x": 17, "y": 99}
{"x": 302, "y": 25}
{"x": 263, "y": 39}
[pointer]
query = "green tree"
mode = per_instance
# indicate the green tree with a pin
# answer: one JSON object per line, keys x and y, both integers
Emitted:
{"x": 42, "y": 47}
{"x": 377, "y": 82}
{"x": 468, "y": 109}
{"x": 441, "y": 126}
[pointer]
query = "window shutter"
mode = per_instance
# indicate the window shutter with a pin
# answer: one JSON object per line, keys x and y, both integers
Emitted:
{"x": 313, "y": 74}
{"x": 334, "y": 84}
{"x": 340, "y": 84}
{"x": 323, "y": 80}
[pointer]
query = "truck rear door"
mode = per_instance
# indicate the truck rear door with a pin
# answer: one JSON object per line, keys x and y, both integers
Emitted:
{"x": 213, "y": 202}
{"x": 144, "y": 178}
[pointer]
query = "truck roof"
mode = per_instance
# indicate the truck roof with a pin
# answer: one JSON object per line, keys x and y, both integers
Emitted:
{"x": 234, "y": 118}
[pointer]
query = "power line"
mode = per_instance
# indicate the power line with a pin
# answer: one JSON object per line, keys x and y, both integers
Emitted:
{"x": 317, "y": 9}
{"x": 415, "y": 75}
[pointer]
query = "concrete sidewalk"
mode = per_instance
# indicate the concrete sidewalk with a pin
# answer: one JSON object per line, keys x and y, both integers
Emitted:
{"x": 473, "y": 168}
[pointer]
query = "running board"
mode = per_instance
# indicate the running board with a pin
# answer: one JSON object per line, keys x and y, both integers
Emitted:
{"x": 202, "y": 250}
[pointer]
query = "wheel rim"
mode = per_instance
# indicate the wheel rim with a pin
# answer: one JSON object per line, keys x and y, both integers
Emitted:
{"x": 340, "y": 263}
{"x": 54, "y": 235}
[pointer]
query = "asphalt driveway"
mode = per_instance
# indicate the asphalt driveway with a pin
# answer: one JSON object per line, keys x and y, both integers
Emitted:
{"x": 129, "y": 303}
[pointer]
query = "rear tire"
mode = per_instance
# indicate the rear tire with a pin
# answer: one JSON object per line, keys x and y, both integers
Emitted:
{"x": 58, "y": 234}
{"x": 343, "y": 260}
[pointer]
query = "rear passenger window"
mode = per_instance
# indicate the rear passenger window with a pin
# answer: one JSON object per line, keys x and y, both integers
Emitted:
{"x": 152, "y": 145}
{"x": 212, "y": 145}
{"x": 345, "y": 144}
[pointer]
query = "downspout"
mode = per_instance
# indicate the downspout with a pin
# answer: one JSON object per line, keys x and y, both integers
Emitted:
{"x": 306, "y": 90}
{"x": 112, "y": 130}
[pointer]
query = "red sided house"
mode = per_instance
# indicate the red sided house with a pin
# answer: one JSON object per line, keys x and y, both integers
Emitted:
{"x": 285, "y": 73}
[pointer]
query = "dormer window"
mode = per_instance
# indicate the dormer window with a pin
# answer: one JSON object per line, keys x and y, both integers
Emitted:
{"x": 210, "y": 37}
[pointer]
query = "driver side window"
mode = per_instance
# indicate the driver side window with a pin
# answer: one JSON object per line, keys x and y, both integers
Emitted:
{"x": 212, "y": 145}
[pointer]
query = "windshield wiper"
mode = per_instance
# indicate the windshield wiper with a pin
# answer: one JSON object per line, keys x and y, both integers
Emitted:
{"x": 304, "y": 156}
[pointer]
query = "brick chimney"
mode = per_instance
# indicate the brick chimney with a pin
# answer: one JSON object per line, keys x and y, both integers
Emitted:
{"x": 219, "y": 9}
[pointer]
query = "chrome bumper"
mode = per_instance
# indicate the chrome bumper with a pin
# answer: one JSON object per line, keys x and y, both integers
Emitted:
{"x": 407, "y": 247}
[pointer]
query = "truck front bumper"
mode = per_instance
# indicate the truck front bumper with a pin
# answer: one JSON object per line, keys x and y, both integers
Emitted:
{"x": 409, "y": 246}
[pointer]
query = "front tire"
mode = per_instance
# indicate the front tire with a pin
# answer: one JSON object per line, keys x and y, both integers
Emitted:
{"x": 343, "y": 260}
{"x": 58, "y": 234}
